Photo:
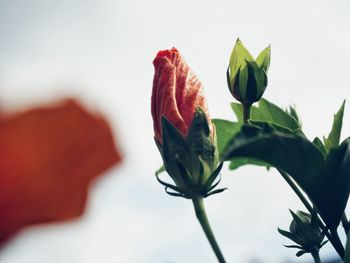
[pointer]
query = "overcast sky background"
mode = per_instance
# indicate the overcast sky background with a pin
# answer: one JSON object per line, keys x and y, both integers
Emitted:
{"x": 101, "y": 52}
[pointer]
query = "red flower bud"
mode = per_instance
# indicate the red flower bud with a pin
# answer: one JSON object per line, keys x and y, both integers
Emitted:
{"x": 177, "y": 93}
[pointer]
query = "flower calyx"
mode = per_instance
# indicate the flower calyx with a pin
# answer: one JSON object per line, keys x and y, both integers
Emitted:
{"x": 190, "y": 160}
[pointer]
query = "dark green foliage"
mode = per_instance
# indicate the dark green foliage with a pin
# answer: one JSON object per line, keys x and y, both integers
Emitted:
{"x": 322, "y": 173}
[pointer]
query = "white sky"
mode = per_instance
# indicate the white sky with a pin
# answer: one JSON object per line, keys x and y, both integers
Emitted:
{"x": 101, "y": 52}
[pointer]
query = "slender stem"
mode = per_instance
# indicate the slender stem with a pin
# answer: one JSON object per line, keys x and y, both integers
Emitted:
{"x": 316, "y": 255}
{"x": 203, "y": 220}
{"x": 296, "y": 190}
{"x": 345, "y": 223}
{"x": 330, "y": 236}
{"x": 337, "y": 243}
{"x": 246, "y": 112}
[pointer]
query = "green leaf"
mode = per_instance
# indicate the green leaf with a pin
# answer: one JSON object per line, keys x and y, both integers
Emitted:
{"x": 292, "y": 153}
{"x": 225, "y": 130}
{"x": 318, "y": 143}
{"x": 334, "y": 136}
{"x": 263, "y": 60}
{"x": 292, "y": 111}
{"x": 326, "y": 182}
{"x": 238, "y": 111}
{"x": 270, "y": 113}
{"x": 266, "y": 125}
{"x": 238, "y": 162}
{"x": 335, "y": 184}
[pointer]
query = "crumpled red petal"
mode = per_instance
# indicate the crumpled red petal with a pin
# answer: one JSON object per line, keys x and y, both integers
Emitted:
{"x": 48, "y": 157}
{"x": 176, "y": 93}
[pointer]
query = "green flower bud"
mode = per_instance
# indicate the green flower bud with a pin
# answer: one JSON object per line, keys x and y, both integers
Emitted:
{"x": 246, "y": 76}
{"x": 305, "y": 232}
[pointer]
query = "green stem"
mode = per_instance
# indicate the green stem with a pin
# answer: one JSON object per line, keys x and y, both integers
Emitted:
{"x": 316, "y": 255}
{"x": 331, "y": 238}
{"x": 203, "y": 220}
{"x": 337, "y": 243}
{"x": 345, "y": 223}
{"x": 246, "y": 112}
{"x": 296, "y": 190}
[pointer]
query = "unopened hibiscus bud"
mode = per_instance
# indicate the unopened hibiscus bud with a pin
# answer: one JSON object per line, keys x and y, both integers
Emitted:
{"x": 183, "y": 130}
{"x": 305, "y": 232}
{"x": 246, "y": 76}
{"x": 176, "y": 94}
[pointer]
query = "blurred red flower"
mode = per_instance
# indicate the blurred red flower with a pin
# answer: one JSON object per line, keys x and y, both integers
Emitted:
{"x": 48, "y": 157}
